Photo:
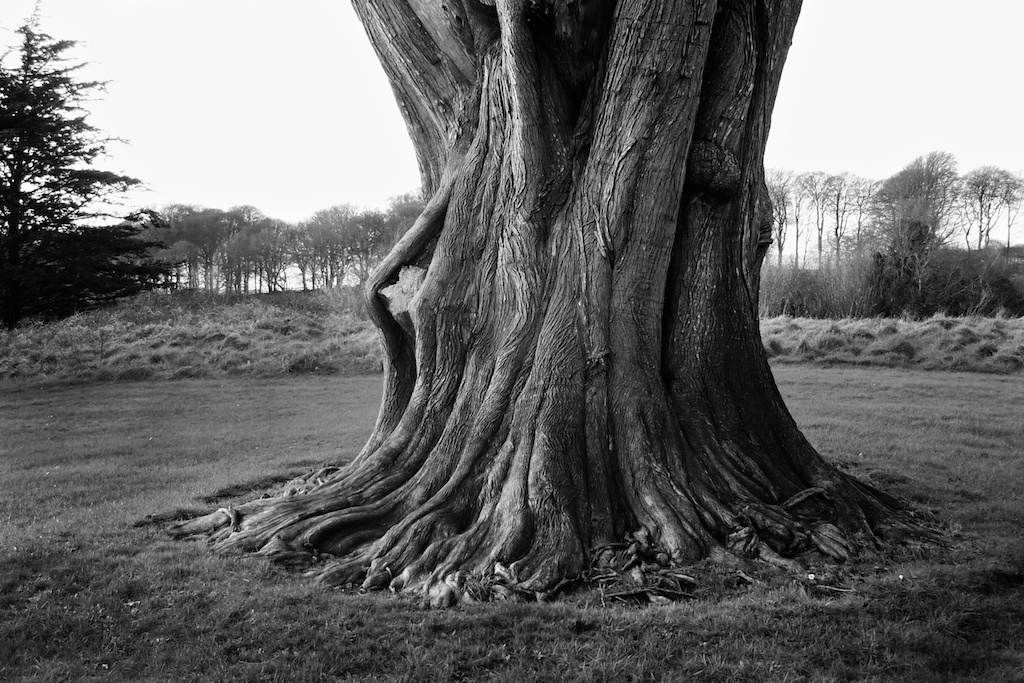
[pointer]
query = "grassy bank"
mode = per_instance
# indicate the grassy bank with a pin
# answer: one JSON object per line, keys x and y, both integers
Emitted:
{"x": 991, "y": 345}
{"x": 85, "y": 595}
{"x": 162, "y": 336}
{"x": 165, "y": 336}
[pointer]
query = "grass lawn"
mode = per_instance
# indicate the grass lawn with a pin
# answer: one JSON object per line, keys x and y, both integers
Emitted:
{"x": 86, "y": 595}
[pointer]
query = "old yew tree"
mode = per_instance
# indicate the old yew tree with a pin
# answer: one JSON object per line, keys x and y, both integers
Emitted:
{"x": 573, "y": 359}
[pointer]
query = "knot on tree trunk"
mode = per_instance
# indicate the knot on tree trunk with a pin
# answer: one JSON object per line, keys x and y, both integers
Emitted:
{"x": 714, "y": 169}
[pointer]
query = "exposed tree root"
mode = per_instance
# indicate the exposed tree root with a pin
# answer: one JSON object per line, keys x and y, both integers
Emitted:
{"x": 443, "y": 565}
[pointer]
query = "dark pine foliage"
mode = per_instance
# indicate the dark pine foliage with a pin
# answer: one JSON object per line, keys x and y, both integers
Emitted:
{"x": 49, "y": 263}
{"x": 84, "y": 267}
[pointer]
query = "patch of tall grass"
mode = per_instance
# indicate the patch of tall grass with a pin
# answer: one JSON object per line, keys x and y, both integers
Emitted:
{"x": 170, "y": 336}
{"x": 991, "y": 345}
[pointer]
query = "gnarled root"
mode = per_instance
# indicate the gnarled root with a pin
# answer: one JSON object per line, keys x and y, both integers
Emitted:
{"x": 503, "y": 557}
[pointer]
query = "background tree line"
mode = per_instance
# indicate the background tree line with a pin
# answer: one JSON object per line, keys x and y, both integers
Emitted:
{"x": 923, "y": 241}
{"x": 240, "y": 250}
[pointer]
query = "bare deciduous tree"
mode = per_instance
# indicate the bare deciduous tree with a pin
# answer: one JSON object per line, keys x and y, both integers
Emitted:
{"x": 1012, "y": 198}
{"x": 813, "y": 186}
{"x": 781, "y": 191}
{"x": 914, "y": 211}
{"x": 985, "y": 191}
{"x": 863, "y": 192}
{"x": 838, "y": 195}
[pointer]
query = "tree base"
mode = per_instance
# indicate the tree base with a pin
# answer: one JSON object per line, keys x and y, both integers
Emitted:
{"x": 774, "y": 540}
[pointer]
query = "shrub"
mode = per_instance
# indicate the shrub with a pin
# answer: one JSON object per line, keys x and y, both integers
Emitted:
{"x": 946, "y": 280}
{"x": 823, "y": 293}
{"x": 942, "y": 280}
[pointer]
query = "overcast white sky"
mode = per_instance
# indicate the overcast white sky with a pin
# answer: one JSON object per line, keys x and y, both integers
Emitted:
{"x": 283, "y": 104}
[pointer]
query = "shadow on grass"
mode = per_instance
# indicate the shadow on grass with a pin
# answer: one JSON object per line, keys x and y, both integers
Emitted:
{"x": 247, "y": 488}
{"x": 175, "y": 515}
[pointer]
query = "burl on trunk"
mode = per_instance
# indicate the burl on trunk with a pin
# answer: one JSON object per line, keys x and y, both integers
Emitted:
{"x": 572, "y": 355}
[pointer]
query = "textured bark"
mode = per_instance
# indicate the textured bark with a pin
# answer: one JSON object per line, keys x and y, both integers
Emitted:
{"x": 572, "y": 345}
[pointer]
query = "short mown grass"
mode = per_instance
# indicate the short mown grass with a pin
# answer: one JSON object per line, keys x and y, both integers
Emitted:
{"x": 92, "y": 589}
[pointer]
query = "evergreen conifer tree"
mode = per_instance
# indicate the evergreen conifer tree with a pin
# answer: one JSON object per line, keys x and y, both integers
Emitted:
{"x": 50, "y": 262}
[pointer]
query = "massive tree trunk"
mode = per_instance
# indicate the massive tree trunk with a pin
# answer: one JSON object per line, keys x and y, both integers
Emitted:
{"x": 571, "y": 333}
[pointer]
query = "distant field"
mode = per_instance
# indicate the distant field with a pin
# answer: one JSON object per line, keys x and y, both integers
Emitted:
{"x": 86, "y": 595}
{"x": 175, "y": 336}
